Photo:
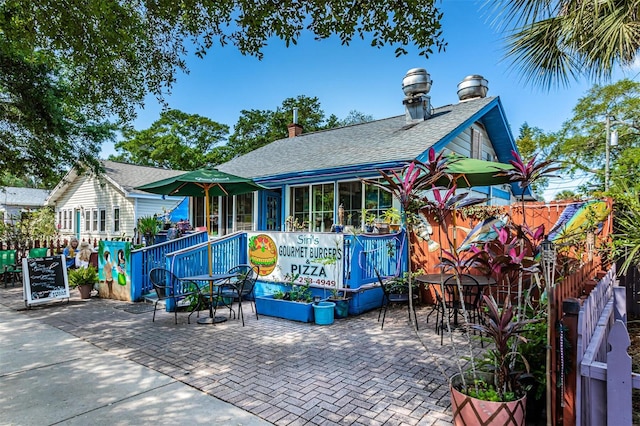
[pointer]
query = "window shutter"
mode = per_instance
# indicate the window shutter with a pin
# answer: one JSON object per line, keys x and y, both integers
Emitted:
{"x": 476, "y": 144}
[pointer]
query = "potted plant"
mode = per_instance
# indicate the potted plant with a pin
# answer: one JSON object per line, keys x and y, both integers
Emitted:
{"x": 339, "y": 297}
{"x": 83, "y": 279}
{"x": 369, "y": 220}
{"x": 494, "y": 392}
{"x": 149, "y": 227}
{"x": 392, "y": 217}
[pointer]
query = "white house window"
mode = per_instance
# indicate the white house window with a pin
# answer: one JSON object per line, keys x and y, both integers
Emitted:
{"x": 94, "y": 219}
{"x": 87, "y": 220}
{"x": 103, "y": 220}
{"x": 116, "y": 219}
{"x": 476, "y": 144}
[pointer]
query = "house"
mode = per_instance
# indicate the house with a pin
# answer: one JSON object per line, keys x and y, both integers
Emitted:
{"x": 15, "y": 201}
{"x": 313, "y": 176}
{"x": 107, "y": 206}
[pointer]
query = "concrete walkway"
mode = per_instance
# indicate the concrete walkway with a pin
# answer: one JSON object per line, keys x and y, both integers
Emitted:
{"x": 102, "y": 361}
{"x": 50, "y": 377}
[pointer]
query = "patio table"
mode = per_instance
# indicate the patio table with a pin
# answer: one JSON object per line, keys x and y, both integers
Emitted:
{"x": 480, "y": 280}
{"x": 214, "y": 280}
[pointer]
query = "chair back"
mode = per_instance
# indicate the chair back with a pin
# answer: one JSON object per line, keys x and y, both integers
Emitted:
{"x": 250, "y": 281}
{"x": 385, "y": 290}
{"x": 93, "y": 259}
{"x": 7, "y": 258}
{"x": 163, "y": 282}
{"x": 38, "y": 252}
{"x": 471, "y": 291}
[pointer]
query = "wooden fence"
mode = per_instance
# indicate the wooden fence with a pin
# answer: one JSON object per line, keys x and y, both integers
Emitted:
{"x": 55, "y": 245}
{"x": 605, "y": 379}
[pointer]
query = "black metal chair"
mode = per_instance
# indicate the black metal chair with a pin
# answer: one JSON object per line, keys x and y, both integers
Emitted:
{"x": 170, "y": 287}
{"x": 394, "y": 299}
{"x": 239, "y": 288}
{"x": 449, "y": 303}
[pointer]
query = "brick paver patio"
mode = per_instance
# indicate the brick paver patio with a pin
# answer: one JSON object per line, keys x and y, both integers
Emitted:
{"x": 288, "y": 373}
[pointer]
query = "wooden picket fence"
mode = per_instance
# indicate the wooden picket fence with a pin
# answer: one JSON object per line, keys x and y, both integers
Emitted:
{"x": 55, "y": 245}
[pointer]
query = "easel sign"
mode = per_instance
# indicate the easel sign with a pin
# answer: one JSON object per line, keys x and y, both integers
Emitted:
{"x": 44, "y": 279}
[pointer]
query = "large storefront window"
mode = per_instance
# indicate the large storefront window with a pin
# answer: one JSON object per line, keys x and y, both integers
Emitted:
{"x": 244, "y": 212}
{"x": 322, "y": 207}
{"x": 350, "y": 196}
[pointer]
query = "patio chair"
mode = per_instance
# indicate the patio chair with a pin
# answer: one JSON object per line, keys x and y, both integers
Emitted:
{"x": 394, "y": 299}
{"x": 38, "y": 252}
{"x": 170, "y": 287}
{"x": 9, "y": 267}
{"x": 240, "y": 288}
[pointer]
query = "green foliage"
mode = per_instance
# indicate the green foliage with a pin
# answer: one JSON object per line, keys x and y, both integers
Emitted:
{"x": 148, "y": 225}
{"x": 487, "y": 392}
{"x": 551, "y": 42}
{"x": 298, "y": 293}
{"x": 626, "y": 239}
{"x": 38, "y": 224}
{"x": 400, "y": 285}
{"x": 176, "y": 140}
{"x": 503, "y": 328}
{"x": 581, "y": 143}
{"x": 83, "y": 276}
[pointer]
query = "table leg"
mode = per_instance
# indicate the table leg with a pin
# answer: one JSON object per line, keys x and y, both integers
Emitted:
{"x": 211, "y": 319}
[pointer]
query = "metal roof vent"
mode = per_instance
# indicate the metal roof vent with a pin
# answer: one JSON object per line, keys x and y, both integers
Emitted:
{"x": 473, "y": 86}
{"x": 415, "y": 85}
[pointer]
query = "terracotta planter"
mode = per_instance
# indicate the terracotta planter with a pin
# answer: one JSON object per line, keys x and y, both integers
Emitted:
{"x": 85, "y": 291}
{"x": 472, "y": 411}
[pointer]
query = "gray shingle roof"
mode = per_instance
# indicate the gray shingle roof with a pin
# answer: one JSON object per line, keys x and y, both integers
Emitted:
{"x": 379, "y": 141}
{"x": 129, "y": 176}
{"x": 27, "y": 197}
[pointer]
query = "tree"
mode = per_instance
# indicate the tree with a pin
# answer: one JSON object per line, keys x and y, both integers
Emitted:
{"x": 566, "y": 194}
{"x": 176, "y": 140}
{"x": 257, "y": 128}
{"x": 42, "y": 128}
{"x": 533, "y": 141}
{"x": 114, "y": 53}
{"x": 554, "y": 41}
{"x": 582, "y": 140}
{"x": 355, "y": 117}
{"x": 68, "y": 65}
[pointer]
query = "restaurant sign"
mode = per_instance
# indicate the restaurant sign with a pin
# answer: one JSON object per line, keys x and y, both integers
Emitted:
{"x": 311, "y": 257}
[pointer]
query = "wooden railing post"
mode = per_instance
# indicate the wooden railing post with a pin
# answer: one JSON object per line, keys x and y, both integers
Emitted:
{"x": 570, "y": 310}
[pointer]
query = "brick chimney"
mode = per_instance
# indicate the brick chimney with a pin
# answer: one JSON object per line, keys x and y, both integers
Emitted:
{"x": 294, "y": 128}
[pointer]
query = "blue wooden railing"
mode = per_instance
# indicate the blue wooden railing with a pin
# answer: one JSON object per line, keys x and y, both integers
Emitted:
{"x": 147, "y": 258}
{"x": 226, "y": 252}
{"x": 362, "y": 255}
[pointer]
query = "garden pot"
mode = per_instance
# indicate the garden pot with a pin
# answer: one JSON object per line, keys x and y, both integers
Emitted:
{"x": 85, "y": 291}
{"x": 323, "y": 312}
{"x": 472, "y": 411}
{"x": 342, "y": 308}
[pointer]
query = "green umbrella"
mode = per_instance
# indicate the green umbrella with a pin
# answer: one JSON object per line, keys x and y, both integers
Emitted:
{"x": 207, "y": 182}
{"x": 468, "y": 172}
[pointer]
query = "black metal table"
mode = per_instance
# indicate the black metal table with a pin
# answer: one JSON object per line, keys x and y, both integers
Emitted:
{"x": 214, "y": 280}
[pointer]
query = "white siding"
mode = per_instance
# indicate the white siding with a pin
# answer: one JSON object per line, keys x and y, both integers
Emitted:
{"x": 149, "y": 207}
{"x": 462, "y": 144}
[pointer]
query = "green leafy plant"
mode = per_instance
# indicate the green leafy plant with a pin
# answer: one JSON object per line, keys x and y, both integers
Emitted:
{"x": 392, "y": 216}
{"x": 83, "y": 276}
{"x": 502, "y": 327}
{"x": 148, "y": 225}
{"x": 400, "y": 285}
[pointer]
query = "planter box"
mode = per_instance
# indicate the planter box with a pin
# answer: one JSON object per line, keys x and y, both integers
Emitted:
{"x": 295, "y": 311}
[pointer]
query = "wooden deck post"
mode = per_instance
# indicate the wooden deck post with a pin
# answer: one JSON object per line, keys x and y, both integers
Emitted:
{"x": 570, "y": 309}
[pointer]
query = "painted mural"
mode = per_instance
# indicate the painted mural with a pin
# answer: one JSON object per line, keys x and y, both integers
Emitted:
{"x": 114, "y": 270}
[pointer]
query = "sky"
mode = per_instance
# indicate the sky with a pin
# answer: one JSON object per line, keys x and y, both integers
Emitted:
{"x": 368, "y": 80}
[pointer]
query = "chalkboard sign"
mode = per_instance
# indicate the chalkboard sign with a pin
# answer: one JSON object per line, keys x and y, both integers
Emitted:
{"x": 45, "y": 279}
